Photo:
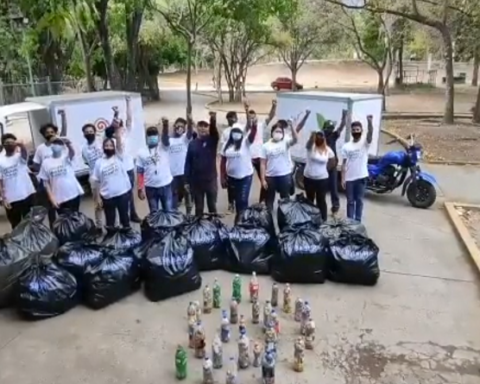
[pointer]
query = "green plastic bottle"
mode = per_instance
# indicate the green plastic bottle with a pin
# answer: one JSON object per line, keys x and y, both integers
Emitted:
{"x": 237, "y": 289}
{"x": 181, "y": 363}
{"x": 217, "y": 294}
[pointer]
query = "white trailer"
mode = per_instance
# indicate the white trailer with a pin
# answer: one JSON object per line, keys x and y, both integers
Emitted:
{"x": 25, "y": 119}
{"x": 329, "y": 106}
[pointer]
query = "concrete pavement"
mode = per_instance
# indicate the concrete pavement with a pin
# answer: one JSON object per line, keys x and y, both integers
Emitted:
{"x": 419, "y": 325}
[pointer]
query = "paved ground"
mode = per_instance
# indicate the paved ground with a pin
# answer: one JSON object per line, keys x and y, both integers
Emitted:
{"x": 411, "y": 328}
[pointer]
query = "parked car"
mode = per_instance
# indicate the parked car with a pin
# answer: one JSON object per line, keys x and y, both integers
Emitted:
{"x": 284, "y": 83}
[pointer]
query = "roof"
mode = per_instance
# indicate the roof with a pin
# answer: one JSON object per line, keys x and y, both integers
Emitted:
{"x": 80, "y": 96}
{"x": 26, "y": 106}
{"x": 330, "y": 95}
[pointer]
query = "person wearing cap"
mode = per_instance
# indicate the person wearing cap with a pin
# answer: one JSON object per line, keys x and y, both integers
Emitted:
{"x": 331, "y": 136}
{"x": 355, "y": 167}
{"x": 201, "y": 166}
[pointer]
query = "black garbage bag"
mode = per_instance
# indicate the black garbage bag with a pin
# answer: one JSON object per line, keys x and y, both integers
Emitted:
{"x": 353, "y": 260}
{"x": 258, "y": 216}
{"x": 113, "y": 279}
{"x": 45, "y": 290}
{"x": 296, "y": 211}
{"x": 77, "y": 258}
{"x": 335, "y": 227}
{"x": 161, "y": 222}
{"x": 170, "y": 269}
{"x": 73, "y": 226}
{"x": 303, "y": 256}
{"x": 251, "y": 250}
{"x": 13, "y": 261}
{"x": 122, "y": 239}
{"x": 33, "y": 235}
{"x": 208, "y": 246}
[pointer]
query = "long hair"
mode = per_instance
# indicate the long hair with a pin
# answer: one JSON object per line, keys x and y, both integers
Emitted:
{"x": 320, "y": 148}
{"x": 237, "y": 144}
{"x": 109, "y": 140}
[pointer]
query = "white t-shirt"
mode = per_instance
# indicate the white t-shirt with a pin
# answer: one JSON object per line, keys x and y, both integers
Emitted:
{"x": 316, "y": 167}
{"x": 60, "y": 175}
{"x": 177, "y": 151}
{"x": 277, "y": 156}
{"x": 226, "y": 134}
{"x": 239, "y": 163}
{"x": 156, "y": 166}
{"x": 128, "y": 162}
{"x": 91, "y": 153}
{"x": 356, "y": 157}
{"x": 17, "y": 184}
{"x": 256, "y": 146}
{"x": 43, "y": 152}
{"x": 111, "y": 176}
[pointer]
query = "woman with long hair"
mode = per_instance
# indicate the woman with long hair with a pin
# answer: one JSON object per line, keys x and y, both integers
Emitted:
{"x": 236, "y": 167}
{"x": 320, "y": 159}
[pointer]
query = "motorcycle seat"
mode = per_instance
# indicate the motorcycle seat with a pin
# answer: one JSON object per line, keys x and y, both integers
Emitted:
{"x": 374, "y": 159}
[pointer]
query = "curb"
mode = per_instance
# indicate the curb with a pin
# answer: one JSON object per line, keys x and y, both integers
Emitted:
{"x": 462, "y": 230}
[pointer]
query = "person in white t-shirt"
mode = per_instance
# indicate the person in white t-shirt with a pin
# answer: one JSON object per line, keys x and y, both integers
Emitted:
{"x": 16, "y": 186}
{"x": 355, "y": 167}
{"x": 58, "y": 175}
{"x": 276, "y": 165}
{"x": 320, "y": 159}
{"x": 113, "y": 185}
{"x": 236, "y": 169}
{"x": 153, "y": 170}
{"x": 117, "y": 128}
{"x": 232, "y": 121}
{"x": 182, "y": 134}
{"x": 91, "y": 152}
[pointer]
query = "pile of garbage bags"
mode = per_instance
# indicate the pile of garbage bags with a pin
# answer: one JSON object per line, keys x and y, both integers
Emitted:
{"x": 45, "y": 273}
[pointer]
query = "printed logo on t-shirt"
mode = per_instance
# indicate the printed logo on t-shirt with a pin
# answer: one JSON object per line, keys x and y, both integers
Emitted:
{"x": 57, "y": 171}
{"x": 10, "y": 172}
{"x": 276, "y": 151}
{"x": 354, "y": 154}
{"x": 176, "y": 148}
{"x": 110, "y": 170}
{"x": 231, "y": 152}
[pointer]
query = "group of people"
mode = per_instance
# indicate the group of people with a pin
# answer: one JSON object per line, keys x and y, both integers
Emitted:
{"x": 182, "y": 166}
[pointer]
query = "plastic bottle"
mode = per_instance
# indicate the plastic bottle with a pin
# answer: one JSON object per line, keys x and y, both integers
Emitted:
{"x": 207, "y": 299}
{"x": 267, "y": 310}
{"x": 254, "y": 288}
{"x": 231, "y": 377}
{"x": 217, "y": 294}
{"x": 243, "y": 351}
{"x": 192, "y": 324}
{"x": 306, "y": 312}
{"x": 274, "y": 299}
{"x": 257, "y": 354}
{"x": 255, "y": 312}
{"x": 287, "y": 299}
{"x": 181, "y": 363}
{"x": 233, "y": 312}
{"x": 225, "y": 328}
{"x": 299, "y": 354}
{"x": 200, "y": 344}
{"x": 191, "y": 312}
{"x": 217, "y": 353}
{"x": 268, "y": 369}
{"x": 237, "y": 289}
{"x": 298, "y": 310}
{"x": 310, "y": 334}
{"x": 241, "y": 324}
{"x": 275, "y": 321}
{"x": 208, "y": 371}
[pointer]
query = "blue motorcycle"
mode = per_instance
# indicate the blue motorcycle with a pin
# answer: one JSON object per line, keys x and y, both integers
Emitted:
{"x": 400, "y": 169}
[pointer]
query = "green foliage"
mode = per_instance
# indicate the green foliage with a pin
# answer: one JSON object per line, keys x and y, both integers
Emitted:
{"x": 372, "y": 34}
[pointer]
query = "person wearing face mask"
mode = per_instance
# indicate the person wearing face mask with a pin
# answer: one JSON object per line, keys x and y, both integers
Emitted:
{"x": 232, "y": 121}
{"x": 201, "y": 166}
{"x": 276, "y": 165}
{"x": 320, "y": 158}
{"x": 153, "y": 170}
{"x": 44, "y": 151}
{"x": 332, "y": 135}
{"x": 115, "y": 129}
{"x": 236, "y": 166}
{"x": 355, "y": 167}
{"x": 16, "y": 186}
{"x": 58, "y": 175}
{"x": 112, "y": 183}
{"x": 91, "y": 152}
{"x": 182, "y": 135}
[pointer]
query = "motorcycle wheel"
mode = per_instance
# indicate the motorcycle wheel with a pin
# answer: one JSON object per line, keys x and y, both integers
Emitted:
{"x": 421, "y": 194}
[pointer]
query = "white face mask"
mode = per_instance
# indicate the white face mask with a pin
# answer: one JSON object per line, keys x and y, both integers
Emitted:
{"x": 277, "y": 136}
{"x": 237, "y": 136}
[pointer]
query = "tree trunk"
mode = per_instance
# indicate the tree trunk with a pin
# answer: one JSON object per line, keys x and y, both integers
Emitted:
{"x": 218, "y": 74}
{"x": 87, "y": 65}
{"x": 189, "y": 75}
{"x": 476, "y": 66}
{"x": 294, "y": 71}
{"x": 400, "y": 64}
{"x": 476, "y": 109}
{"x": 133, "y": 22}
{"x": 449, "y": 109}
{"x": 381, "y": 88}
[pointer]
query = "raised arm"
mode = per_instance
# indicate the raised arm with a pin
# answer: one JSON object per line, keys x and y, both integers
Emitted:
{"x": 369, "y": 129}
{"x": 298, "y": 128}
{"x": 63, "y": 122}
{"x": 189, "y": 126}
{"x": 343, "y": 122}
{"x": 119, "y": 143}
{"x": 273, "y": 111}
{"x": 165, "y": 137}
{"x": 71, "y": 150}
{"x": 23, "y": 150}
{"x": 129, "y": 119}
{"x": 213, "y": 127}
{"x": 310, "y": 142}
{"x": 246, "y": 107}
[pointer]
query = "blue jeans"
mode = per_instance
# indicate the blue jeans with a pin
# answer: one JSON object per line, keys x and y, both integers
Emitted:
{"x": 277, "y": 184}
{"x": 240, "y": 189}
{"x": 333, "y": 189}
{"x": 157, "y": 196}
{"x": 355, "y": 190}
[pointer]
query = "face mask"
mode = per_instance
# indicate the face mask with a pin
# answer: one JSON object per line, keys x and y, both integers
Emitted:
{"x": 179, "y": 131}
{"x": 57, "y": 150}
{"x": 90, "y": 137}
{"x": 152, "y": 141}
{"x": 277, "y": 136}
{"x": 49, "y": 137}
{"x": 237, "y": 136}
{"x": 319, "y": 141}
{"x": 9, "y": 148}
{"x": 356, "y": 135}
{"x": 109, "y": 152}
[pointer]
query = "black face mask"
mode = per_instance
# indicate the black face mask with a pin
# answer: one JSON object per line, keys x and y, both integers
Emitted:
{"x": 90, "y": 137}
{"x": 10, "y": 148}
{"x": 49, "y": 137}
{"x": 356, "y": 135}
{"x": 109, "y": 152}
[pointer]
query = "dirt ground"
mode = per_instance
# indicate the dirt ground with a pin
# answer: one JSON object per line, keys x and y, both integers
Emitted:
{"x": 471, "y": 218}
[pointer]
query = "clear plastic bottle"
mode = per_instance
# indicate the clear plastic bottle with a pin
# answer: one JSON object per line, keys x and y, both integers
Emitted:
{"x": 274, "y": 298}
{"x": 232, "y": 375}
{"x": 225, "y": 328}
{"x": 254, "y": 288}
{"x": 208, "y": 371}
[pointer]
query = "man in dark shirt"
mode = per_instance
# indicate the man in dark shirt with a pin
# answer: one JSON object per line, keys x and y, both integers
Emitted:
{"x": 201, "y": 166}
{"x": 332, "y": 135}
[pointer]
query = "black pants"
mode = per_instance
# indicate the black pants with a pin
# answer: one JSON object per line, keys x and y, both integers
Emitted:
{"x": 277, "y": 184}
{"x": 316, "y": 191}
{"x": 44, "y": 201}
{"x": 118, "y": 203}
{"x": 204, "y": 190}
{"x": 263, "y": 192}
{"x": 19, "y": 210}
{"x": 131, "y": 201}
{"x": 179, "y": 193}
{"x": 72, "y": 205}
